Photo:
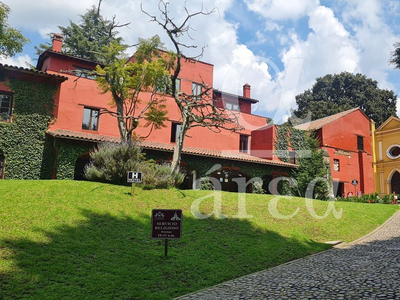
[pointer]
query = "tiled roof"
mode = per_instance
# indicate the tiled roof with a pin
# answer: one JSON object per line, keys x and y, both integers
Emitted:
{"x": 235, "y": 96}
{"x": 230, "y": 155}
{"x": 31, "y": 71}
{"x": 317, "y": 124}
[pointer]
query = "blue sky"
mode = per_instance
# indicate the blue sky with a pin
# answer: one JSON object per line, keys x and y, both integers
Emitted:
{"x": 279, "y": 47}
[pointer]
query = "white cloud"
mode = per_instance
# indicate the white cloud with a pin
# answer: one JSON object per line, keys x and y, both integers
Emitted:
{"x": 281, "y": 9}
{"x": 331, "y": 47}
{"x": 374, "y": 37}
{"x": 36, "y": 15}
{"x": 328, "y": 49}
{"x": 368, "y": 11}
{"x": 394, "y": 7}
{"x": 271, "y": 26}
{"x": 19, "y": 61}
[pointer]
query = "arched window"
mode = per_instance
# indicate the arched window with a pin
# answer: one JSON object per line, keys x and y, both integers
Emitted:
{"x": 395, "y": 182}
{"x": 80, "y": 165}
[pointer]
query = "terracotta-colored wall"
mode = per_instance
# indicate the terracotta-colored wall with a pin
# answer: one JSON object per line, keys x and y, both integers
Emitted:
{"x": 262, "y": 142}
{"x": 350, "y": 169}
{"x": 245, "y": 107}
{"x": 65, "y": 63}
{"x": 4, "y": 87}
{"x": 75, "y": 95}
{"x": 342, "y": 135}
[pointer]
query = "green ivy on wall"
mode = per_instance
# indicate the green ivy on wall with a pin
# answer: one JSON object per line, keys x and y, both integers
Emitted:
{"x": 68, "y": 153}
{"x": 309, "y": 158}
{"x": 282, "y": 142}
{"x": 287, "y": 138}
{"x": 203, "y": 164}
{"x": 23, "y": 140}
{"x": 31, "y": 97}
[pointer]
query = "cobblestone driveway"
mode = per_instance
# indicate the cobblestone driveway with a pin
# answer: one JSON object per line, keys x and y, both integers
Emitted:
{"x": 366, "y": 269}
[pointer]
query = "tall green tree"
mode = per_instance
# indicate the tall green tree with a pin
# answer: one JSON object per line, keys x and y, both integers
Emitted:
{"x": 138, "y": 87}
{"x": 313, "y": 175}
{"x": 11, "y": 40}
{"x": 87, "y": 38}
{"x": 332, "y": 94}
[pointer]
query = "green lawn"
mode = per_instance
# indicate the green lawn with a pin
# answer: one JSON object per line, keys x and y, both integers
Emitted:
{"x": 82, "y": 240}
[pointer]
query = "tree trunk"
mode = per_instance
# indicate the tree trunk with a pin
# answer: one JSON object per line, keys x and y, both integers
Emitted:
{"x": 121, "y": 123}
{"x": 176, "y": 158}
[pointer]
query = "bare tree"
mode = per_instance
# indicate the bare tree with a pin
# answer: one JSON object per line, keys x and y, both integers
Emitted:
{"x": 197, "y": 109}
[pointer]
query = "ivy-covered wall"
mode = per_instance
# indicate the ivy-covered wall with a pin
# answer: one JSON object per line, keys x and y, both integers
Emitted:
{"x": 68, "y": 152}
{"x": 288, "y": 138}
{"x": 23, "y": 140}
{"x": 203, "y": 164}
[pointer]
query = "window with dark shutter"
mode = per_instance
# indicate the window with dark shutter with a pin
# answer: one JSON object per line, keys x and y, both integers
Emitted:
{"x": 360, "y": 142}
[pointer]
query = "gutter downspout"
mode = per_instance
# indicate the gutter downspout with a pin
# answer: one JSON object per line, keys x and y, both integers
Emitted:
{"x": 374, "y": 154}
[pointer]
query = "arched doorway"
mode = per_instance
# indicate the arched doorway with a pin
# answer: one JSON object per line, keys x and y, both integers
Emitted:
{"x": 190, "y": 176}
{"x": 80, "y": 164}
{"x": 395, "y": 182}
{"x": 2, "y": 164}
{"x": 266, "y": 181}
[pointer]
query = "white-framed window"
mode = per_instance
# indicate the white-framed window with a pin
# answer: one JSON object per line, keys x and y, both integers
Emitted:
{"x": 336, "y": 164}
{"x": 244, "y": 143}
{"x": 393, "y": 152}
{"x": 84, "y": 72}
{"x": 232, "y": 106}
{"x": 175, "y": 130}
{"x": 178, "y": 84}
{"x": 292, "y": 157}
{"x": 164, "y": 85}
{"x": 5, "y": 106}
{"x": 196, "y": 89}
{"x": 90, "y": 119}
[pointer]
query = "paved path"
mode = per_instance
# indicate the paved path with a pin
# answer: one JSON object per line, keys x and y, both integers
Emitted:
{"x": 366, "y": 269}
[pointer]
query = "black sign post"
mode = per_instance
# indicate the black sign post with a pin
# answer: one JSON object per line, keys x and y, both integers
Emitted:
{"x": 355, "y": 183}
{"x": 134, "y": 177}
{"x": 166, "y": 224}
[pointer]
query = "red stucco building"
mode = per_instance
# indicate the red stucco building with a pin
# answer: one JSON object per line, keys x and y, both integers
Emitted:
{"x": 77, "y": 120}
{"x": 346, "y": 137}
{"x": 77, "y": 126}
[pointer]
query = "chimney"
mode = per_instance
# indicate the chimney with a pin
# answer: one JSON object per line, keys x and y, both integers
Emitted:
{"x": 57, "y": 42}
{"x": 246, "y": 90}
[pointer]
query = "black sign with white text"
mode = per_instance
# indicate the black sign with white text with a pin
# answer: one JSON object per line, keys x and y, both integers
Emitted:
{"x": 134, "y": 177}
{"x": 166, "y": 223}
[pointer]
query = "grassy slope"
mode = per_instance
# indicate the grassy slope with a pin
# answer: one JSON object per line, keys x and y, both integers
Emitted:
{"x": 74, "y": 240}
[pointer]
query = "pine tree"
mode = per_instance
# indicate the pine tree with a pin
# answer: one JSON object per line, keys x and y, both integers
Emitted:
{"x": 87, "y": 38}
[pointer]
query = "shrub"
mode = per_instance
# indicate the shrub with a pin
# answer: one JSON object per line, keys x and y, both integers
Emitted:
{"x": 206, "y": 184}
{"x": 368, "y": 198}
{"x": 257, "y": 187}
{"x": 111, "y": 163}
